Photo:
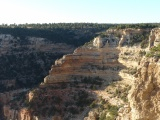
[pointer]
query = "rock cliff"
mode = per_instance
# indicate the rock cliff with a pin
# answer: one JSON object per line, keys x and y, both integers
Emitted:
{"x": 75, "y": 81}
{"x": 143, "y": 96}
{"x": 154, "y": 37}
{"x": 97, "y": 58}
{"x": 32, "y": 54}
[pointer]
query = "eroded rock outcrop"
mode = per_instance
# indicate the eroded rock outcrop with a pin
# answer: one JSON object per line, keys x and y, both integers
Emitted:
{"x": 102, "y": 59}
{"x": 144, "y": 95}
{"x": 102, "y": 53}
{"x": 154, "y": 38}
{"x": 125, "y": 36}
{"x": 85, "y": 61}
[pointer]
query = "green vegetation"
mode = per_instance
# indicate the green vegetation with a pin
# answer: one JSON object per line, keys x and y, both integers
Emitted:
{"x": 122, "y": 93}
{"x": 82, "y": 98}
{"x": 25, "y": 68}
{"x": 108, "y": 111}
{"x": 136, "y": 38}
{"x": 22, "y": 63}
{"x": 154, "y": 52}
{"x": 131, "y": 71}
{"x": 136, "y": 26}
{"x": 140, "y": 38}
{"x": 54, "y": 100}
{"x": 104, "y": 110}
{"x": 113, "y": 111}
{"x": 28, "y": 66}
{"x": 70, "y": 33}
{"x": 18, "y": 100}
{"x": 142, "y": 53}
{"x": 144, "y": 43}
{"x": 93, "y": 104}
{"x": 92, "y": 80}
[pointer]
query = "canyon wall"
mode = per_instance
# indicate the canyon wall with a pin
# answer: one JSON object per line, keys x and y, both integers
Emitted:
{"x": 144, "y": 94}
{"x": 104, "y": 58}
{"x": 10, "y": 44}
{"x": 144, "y": 97}
{"x": 102, "y": 52}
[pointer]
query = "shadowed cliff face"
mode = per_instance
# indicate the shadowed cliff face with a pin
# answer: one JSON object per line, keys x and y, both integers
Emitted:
{"x": 69, "y": 87}
{"x": 26, "y": 64}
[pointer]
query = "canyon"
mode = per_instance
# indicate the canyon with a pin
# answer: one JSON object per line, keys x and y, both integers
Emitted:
{"x": 110, "y": 71}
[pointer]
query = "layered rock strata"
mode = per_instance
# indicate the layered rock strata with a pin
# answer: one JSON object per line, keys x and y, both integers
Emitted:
{"x": 98, "y": 58}
{"x": 105, "y": 58}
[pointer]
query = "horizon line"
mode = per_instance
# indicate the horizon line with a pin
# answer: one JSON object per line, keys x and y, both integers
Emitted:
{"x": 78, "y": 23}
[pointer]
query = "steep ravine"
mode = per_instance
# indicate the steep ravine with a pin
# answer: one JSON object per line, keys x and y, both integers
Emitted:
{"x": 96, "y": 79}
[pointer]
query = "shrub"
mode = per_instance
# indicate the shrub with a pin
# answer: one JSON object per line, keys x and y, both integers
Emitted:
{"x": 111, "y": 112}
{"x": 144, "y": 44}
{"x": 103, "y": 116}
{"x": 142, "y": 53}
{"x": 93, "y": 104}
{"x": 154, "y": 52}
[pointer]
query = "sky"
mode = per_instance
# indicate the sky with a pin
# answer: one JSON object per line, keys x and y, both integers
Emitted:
{"x": 77, "y": 11}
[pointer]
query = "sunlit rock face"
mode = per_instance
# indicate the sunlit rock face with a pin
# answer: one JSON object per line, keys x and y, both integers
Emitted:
{"x": 104, "y": 52}
{"x": 154, "y": 38}
{"x": 98, "y": 58}
{"x": 144, "y": 96}
{"x": 85, "y": 61}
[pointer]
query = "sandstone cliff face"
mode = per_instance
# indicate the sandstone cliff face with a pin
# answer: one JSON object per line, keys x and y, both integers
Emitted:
{"x": 126, "y": 36}
{"x": 154, "y": 37}
{"x": 102, "y": 53}
{"x": 104, "y": 59}
{"x": 144, "y": 95}
{"x": 85, "y": 61}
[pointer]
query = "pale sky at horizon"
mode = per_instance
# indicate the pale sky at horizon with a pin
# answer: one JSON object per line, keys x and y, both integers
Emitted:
{"x": 71, "y": 11}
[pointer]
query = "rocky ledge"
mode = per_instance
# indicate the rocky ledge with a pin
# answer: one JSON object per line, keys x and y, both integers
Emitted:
{"x": 72, "y": 79}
